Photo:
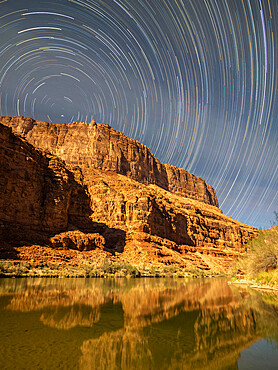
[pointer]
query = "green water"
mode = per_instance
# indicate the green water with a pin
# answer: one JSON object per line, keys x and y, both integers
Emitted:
{"x": 135, "y": 324}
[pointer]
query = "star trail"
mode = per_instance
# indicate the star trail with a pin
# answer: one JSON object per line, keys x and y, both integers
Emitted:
{"x": 194, "y": 80}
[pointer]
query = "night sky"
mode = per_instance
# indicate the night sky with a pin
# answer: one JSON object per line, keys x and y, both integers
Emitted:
{"x": 194, "y": 80}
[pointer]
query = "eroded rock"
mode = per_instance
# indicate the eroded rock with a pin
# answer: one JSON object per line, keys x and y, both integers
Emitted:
{"x": 78, "y": 240}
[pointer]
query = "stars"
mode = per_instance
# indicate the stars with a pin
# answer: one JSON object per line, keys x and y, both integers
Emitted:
{"x": 40, "y": 28}
{"x": 196, "y": 81}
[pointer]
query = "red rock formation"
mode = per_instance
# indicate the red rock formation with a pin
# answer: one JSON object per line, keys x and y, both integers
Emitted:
{"x": 76, "y": 239}
{"x": 139, "y": 221}
{"x": 154, "y": 215}
{"x": 40, "y": 197}
{"x": 35, "y": 188}
{"x": 94, "y": 145}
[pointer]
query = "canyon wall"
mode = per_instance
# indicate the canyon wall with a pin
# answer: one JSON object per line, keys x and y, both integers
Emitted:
{"x": 53, "y": 202}
{"x": 35, "y": 187}
{"x": 94, "y": 145}
{"x": 39, "y": 196}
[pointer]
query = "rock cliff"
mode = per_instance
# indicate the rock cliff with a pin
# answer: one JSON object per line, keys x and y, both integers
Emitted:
{"x": 58, "y": 193}
{"x": 94, "y": 145}
{"x": 39, "y": 196}
{"x": 35, "y": 187}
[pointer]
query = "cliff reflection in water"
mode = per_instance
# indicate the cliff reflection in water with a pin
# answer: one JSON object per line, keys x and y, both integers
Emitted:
{"x": 146, "y": 323}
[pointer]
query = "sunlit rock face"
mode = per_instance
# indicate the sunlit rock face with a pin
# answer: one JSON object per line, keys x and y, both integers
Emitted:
{"x": 175, "y": 226}
{"x": 99, "y": 146}
{"x": 87, "y": 186}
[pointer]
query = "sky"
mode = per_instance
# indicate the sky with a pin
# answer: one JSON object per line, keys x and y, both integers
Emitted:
{"x": 194, "y": 80}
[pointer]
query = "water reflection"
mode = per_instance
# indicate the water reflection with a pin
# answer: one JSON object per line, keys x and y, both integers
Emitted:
{"x": 131, "y": 324}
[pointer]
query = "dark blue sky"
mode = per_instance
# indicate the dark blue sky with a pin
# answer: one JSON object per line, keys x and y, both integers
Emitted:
{"x": 195, "y": 81}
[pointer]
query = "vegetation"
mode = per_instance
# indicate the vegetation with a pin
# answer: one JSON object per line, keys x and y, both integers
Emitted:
{"x": 275, "y": 222}
{"x": 261, "y": 260}
{"x": 106, "y": 269}
{"x": 268, "y": 278}
{"x": 262, "y": 252}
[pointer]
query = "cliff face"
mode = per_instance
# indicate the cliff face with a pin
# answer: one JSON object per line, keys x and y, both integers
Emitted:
{"x": 73, "y": 204}
{"x": 99, "y": 146}
{"x": 157, "y": 216}
{"x": 40, "y": 197}
{"x": 35, "y": 187}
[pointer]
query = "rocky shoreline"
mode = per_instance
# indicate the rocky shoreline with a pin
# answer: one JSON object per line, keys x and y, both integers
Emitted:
{"x": 99, "y": 268}
{"x": 254, "y": 284}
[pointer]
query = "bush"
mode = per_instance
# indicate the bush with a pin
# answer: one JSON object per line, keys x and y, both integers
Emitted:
{"x": 14, "y": 269}
{"x": 262, "y": 253}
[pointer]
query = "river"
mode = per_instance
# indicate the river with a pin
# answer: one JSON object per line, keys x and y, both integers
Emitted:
{"x": 49, "y": 323}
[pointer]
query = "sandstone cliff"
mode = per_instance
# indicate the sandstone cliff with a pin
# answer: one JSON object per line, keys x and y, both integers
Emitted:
{"x": 69, "y": 203}
{"x": 35, "y": 187}
{"x": 94, "y": 145}
{"x": 39, "y": 196}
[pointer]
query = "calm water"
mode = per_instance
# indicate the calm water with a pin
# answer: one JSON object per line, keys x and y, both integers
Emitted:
{"x": 135, "y": 324}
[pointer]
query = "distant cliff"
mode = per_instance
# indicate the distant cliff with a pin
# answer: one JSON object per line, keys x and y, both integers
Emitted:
{"x": 94, "y": 145}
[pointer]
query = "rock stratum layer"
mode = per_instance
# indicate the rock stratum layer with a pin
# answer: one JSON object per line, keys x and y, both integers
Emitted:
{"x": 90, "y": 188}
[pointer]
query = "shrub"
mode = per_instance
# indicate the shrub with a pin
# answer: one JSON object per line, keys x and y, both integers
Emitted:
{"x": 262, "y": 253}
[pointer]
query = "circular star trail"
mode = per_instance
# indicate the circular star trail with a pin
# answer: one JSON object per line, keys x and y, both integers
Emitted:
{"x": 194, "y": 80}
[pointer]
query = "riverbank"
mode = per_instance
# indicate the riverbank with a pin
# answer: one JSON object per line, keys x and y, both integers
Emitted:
{"x": 41, "y": 261}
{"x": 258, "y": 267}
{"x": 262, "y": 281}
{"x": 105, "y": 269}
